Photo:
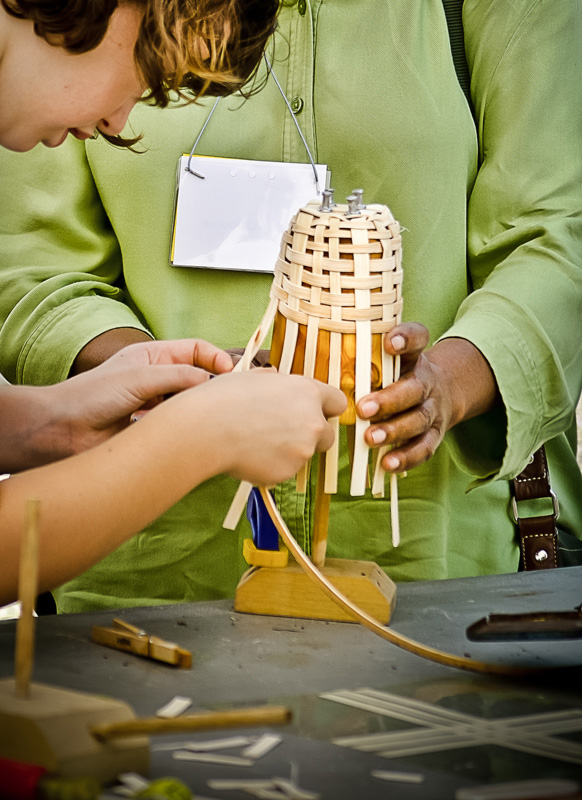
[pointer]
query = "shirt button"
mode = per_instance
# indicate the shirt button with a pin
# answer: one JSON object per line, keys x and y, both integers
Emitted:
{"x": 302, "y": 7}
{"x": 296, "y": 105}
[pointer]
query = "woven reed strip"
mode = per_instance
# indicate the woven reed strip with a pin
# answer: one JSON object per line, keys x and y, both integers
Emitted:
{"x": 292, "y": 328}
{"x": 288, "y": 289}
{"x": 346, "y": 226}
{"x": 344, "y": 231}
{"x": 376, "y": 236}
{"x": 374, "y": 245}
{"x": 373, "y": 218}
{"x": 345, "y": 299}
{"x": 388, "y": 363}
{"x": 390, "y": 374}
{"x": 345, "y": 325}
{"x": 348, "y": 313}
{"x": 348, "y": 281}
{"x": 341, "y": 265}
{"x": 324, "y": 281}
{"x": 319, "y": 537}
{"x": 335, "y": 357}
{"x": 346, "y": 247}
{"x": 363, "y": 384}
{"x": 314, "y": 300}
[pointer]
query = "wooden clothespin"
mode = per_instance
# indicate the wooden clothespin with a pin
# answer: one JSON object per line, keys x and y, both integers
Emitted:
{"x": 131, "y": 639}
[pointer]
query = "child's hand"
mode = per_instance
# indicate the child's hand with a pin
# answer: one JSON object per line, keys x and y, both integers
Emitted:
{"x": 273, "y": 423}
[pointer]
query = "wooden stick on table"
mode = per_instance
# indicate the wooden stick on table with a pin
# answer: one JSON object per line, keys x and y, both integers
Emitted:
{"x": 205, "y": 720}
{"x": 27, "y": 590}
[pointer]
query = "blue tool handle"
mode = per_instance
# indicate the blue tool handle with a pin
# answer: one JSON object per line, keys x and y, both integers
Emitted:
{"x": 265, "y": 534}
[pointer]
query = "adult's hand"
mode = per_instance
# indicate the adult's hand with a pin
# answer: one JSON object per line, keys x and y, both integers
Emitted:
{"x": 105, "y": 346}
{"x": 133, "y": 384}
{"x": 44, "y": 424}
{"x": 437, "y": 389}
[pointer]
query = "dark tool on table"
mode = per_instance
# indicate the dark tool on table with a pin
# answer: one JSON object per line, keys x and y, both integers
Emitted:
{"x": 521, "y": 627}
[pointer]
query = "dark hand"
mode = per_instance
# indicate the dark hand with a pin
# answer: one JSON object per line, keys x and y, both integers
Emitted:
{"x": 437, "y": 389}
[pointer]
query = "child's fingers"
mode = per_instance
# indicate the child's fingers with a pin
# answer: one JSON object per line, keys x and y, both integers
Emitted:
{"x": 334, "y": 401}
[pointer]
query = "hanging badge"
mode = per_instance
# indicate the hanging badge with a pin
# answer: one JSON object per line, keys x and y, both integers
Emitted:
{"x": 230, "y": 213}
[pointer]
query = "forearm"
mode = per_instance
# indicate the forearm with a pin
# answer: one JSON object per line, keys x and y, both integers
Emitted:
{"x": 242, "y": 425}
{"x": 471, "y": 381}
{"x": 104, "y": 346}
{"x": 28, "y": 436}
{"x": 93, "y": 502}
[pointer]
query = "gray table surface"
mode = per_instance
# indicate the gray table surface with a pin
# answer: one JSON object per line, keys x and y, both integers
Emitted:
{"x": 243, "y": 659}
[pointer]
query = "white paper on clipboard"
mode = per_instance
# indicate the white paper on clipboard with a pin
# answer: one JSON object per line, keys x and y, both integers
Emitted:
{"x": 235, "y": 217}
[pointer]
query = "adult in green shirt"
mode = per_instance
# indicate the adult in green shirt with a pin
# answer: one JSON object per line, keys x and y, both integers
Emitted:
{"x": 491, "y": 203}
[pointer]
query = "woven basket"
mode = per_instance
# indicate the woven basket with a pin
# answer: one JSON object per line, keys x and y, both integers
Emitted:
{"x": 337, "y": 286}
{"x": 336, "y": 291}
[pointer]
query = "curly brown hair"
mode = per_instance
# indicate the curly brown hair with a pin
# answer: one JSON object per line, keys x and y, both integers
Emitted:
{"x": 184, "y": 49}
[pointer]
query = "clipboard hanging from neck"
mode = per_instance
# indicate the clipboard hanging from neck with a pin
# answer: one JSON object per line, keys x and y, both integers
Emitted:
{"x": 229, "y": 213}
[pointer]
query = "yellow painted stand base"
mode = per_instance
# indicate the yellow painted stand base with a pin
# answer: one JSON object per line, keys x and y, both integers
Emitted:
{"x": 289, "y": 592}
{"x": 264, "y": 558}
{"x": 50, "y": 728}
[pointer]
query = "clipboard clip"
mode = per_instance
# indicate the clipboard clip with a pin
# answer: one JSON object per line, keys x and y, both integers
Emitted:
{"x": 131, "y": 639}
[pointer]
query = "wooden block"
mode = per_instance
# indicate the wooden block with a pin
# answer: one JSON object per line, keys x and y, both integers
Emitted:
{"x": 289, "y": 592}
{"x": 50, "y": 728}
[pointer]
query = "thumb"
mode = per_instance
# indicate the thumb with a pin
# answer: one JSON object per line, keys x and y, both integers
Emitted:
{"x": 334, "y": 401}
